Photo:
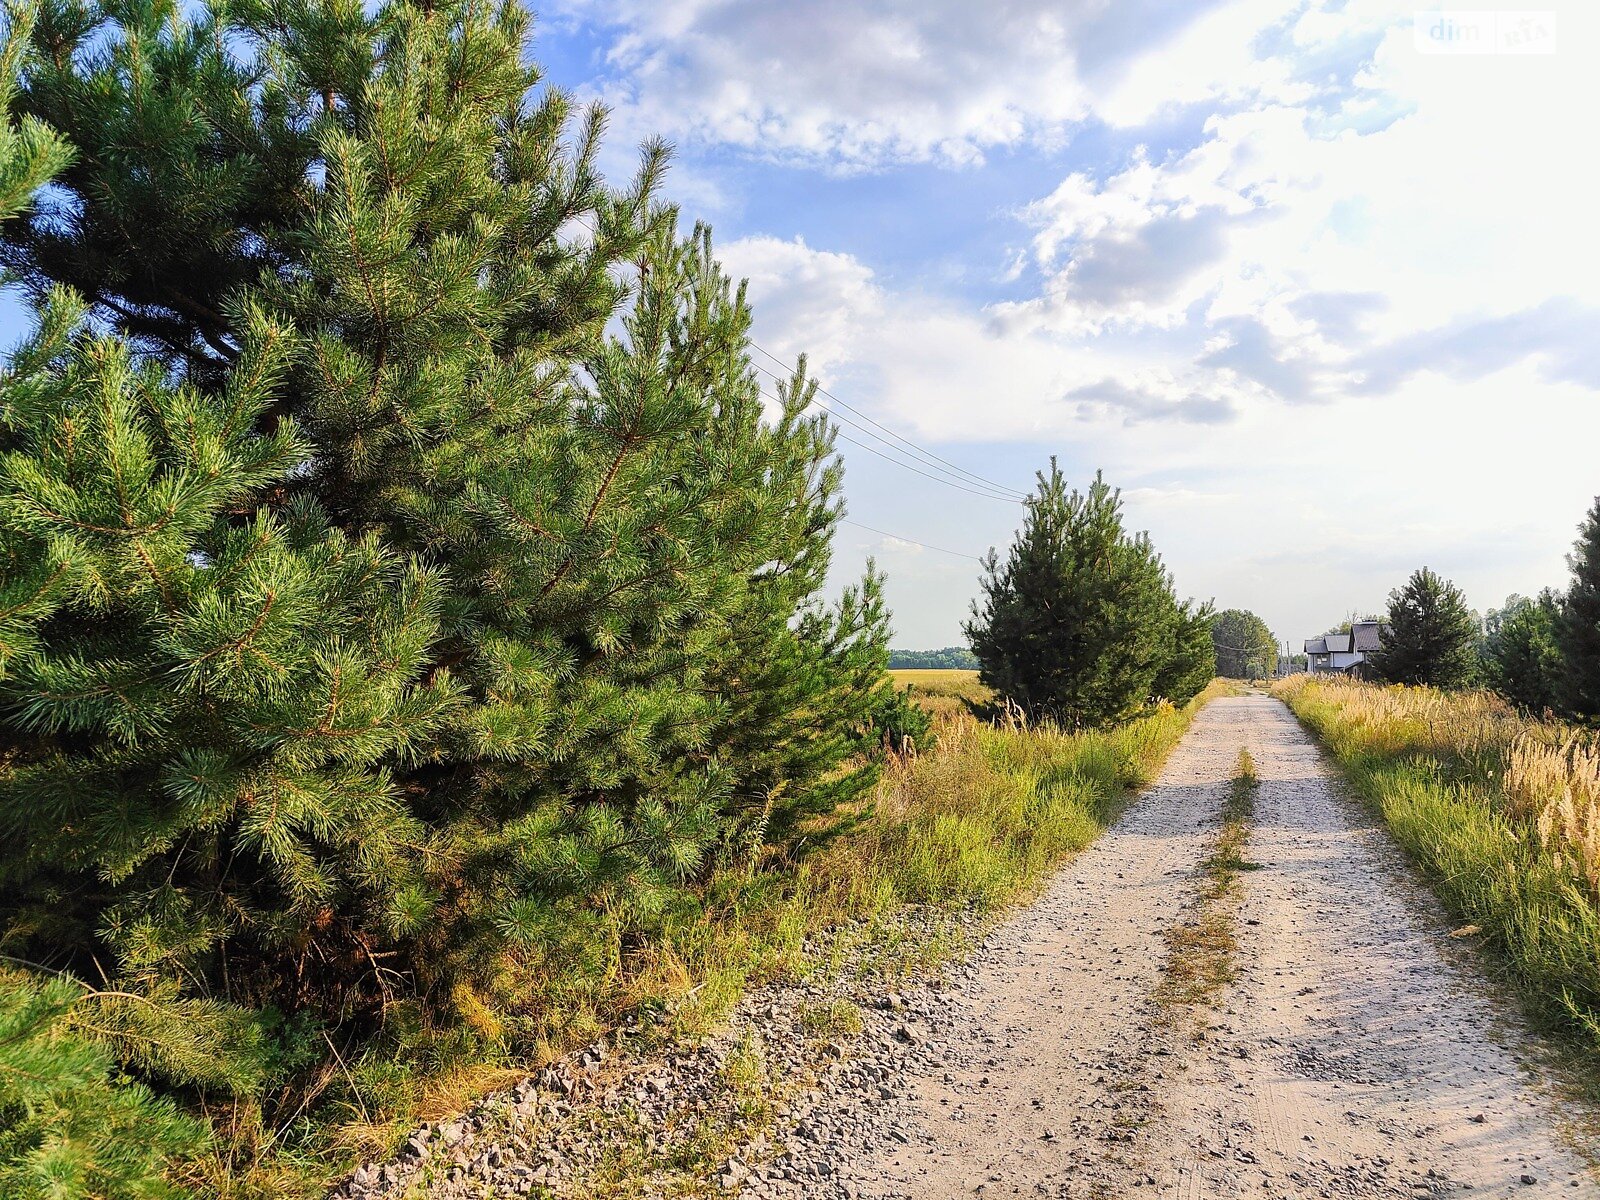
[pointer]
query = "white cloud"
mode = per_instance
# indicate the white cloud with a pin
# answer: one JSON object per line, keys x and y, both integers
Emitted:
{"x": 859, "y": 83}
{"x": 1312, "y": 254}
{"x": 817, "y": 302}
{"x": 1320, "y": 344}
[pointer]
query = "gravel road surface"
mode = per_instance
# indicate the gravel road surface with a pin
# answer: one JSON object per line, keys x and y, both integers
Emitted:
{"x": 1356, "y": 1054}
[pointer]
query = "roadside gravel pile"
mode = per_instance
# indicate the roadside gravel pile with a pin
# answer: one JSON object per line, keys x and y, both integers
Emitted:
{"x": 628, "y": 1108}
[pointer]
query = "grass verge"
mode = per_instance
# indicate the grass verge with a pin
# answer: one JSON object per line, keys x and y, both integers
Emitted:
{"x": 1200, "y": 948}
{"x": 1499, "y": 811}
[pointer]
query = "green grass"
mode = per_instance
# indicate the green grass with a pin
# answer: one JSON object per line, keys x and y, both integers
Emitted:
{"x": 1202, "y": 946}
{"x": 1538, "y": 915}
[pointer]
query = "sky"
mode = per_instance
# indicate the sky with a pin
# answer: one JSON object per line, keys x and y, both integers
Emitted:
{"x": 1314, "y": 287}
{"x": 1317, "y": 290}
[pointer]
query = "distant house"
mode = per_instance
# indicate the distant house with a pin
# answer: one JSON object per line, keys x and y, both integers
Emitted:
{"x": 1342, "y": 653}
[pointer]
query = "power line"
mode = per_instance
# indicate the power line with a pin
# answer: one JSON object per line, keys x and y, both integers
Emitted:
{"x": 945, "y": 475}
{"x": 908, "y": 466}
{"x": 912, "y": 541}
{"x": 926, "y": 457}
{"x": 944, "y": 463}
{"x": 936, "y": 478}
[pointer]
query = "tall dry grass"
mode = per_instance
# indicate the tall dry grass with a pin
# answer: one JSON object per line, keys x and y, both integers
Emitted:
{"x": 1553, "y": 781}
{"x": 1501, "y": 811}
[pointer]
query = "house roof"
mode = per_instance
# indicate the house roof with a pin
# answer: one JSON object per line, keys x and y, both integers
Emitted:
{"x": 1316, "y": 645}
{"x": 1339, "y": 643}
{"x": 1366, "y": 634}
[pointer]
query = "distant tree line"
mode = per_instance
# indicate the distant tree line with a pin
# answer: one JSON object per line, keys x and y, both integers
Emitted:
{"x": 950, "y": 658}
{"x": 1244, "y": 646}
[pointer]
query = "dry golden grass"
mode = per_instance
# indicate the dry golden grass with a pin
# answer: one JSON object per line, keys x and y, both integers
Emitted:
{"x": 1502, "y": 812}
{"x": 944, "y": 692}
{"x": 1556, "y": 784}
{"x": 1544, "y": 773}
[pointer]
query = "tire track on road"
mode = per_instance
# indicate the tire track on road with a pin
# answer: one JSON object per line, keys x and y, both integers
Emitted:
{"x": 1352, "y": 1056}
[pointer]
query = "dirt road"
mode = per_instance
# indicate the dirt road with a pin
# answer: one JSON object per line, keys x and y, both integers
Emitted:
{"x": 1356, "y": 1054}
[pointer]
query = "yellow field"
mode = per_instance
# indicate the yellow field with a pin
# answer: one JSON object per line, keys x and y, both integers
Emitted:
{"x": 943, "y": 691}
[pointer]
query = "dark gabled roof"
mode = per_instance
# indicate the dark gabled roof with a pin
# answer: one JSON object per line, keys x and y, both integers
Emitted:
{"x": 1316, "y": 645}
{"x": 1366, "y": 633}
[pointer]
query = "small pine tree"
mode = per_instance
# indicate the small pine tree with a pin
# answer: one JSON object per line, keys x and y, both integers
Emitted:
{"x": 1578, "y": 631}
{"x": 1079, "y": 623}
{"x": 1521, "y": 658}
{"x": 1430, "y": 637}
{"x": 1245, "y": 647}
{"x": 1193, "y": 662}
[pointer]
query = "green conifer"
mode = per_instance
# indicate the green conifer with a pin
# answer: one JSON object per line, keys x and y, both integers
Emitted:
{"x": 428, "y": 585}
{"x": 1430, "y": 637}
{"x": 1578, "y": 630}
{"x": 1521, "y": 657}
{"x": 70, "y": 1129}
{"x": 1079, "y": 623}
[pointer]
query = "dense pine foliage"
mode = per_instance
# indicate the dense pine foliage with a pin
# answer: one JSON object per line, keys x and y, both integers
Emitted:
{"x": 1578, "y": 628}
{"x": 1521, "y": 658}
{"x": 405, "y": 591}
{"x": 1429, "y": 637}
{"x": 1079, "y": 622}
{"x": 68, "y": 1128}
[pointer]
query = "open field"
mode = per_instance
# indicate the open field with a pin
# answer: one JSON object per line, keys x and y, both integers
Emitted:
{"x": 944, "y": 691}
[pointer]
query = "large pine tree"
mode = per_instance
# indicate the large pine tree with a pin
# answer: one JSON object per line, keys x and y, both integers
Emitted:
{"x": 1430, "y": 636}
{"x": 1079, "y": 623}
{"x": 1578, "y": 629}
{"x": 412, "y": 579}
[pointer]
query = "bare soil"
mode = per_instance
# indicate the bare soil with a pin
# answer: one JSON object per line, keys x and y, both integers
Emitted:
{"x": 1357, "y": 1051}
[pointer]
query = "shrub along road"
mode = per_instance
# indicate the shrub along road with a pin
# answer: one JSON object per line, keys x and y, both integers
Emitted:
{"x": 1350, "y": 1049}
